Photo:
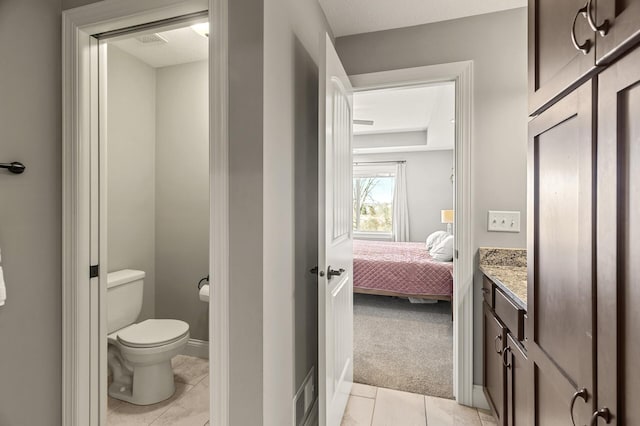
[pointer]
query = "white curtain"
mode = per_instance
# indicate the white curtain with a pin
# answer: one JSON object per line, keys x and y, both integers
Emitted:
{"x": 400, "y": 205}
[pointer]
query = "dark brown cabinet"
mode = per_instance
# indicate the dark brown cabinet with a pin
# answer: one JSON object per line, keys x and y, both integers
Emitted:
{"x": 508, "y": 374}
{"x": 495, "y": 337}
{"x": 618, "y": 248}
{"x": 617, "y": 25}
{"x": 583, "y": 320}
{"x": 519, "y": 372}
{"x": 561, "y": 49}
{"x": 560, "y": 257}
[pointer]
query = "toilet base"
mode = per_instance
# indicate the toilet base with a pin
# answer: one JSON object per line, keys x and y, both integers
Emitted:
{"x": 151, "y": 384}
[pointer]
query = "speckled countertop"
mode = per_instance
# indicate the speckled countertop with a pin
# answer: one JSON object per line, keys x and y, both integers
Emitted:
{"x": 507, "y": 268}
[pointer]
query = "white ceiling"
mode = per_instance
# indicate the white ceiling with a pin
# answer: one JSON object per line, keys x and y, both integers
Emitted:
{"x": 395, "y": 110}
{"x": 362, "y": 16}
{"x": 183, "y": 45}
{"x": 418, "y": 116}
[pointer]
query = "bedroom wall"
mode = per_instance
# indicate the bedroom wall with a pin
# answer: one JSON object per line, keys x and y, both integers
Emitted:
{"x": 182, "y": 193}
{"x": 131, "y": 146}
{"x": 429, "y": 187}
{"x": 497, "y": 45}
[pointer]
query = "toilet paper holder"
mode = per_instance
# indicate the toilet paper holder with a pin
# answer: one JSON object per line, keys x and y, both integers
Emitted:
{"x": 202, "y": 281}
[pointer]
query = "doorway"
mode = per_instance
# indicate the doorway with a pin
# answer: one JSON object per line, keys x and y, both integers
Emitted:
{"x": 85, "y": 259}
{"x": 154, "y": 134}
{"x": 403, "y": 169}
{"x": 460, "y": 73}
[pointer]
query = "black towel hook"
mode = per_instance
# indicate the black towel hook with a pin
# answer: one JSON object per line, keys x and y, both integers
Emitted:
{"x": 14, "y": 167}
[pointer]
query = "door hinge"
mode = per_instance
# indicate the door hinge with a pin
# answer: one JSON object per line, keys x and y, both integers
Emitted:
{"x": 456, "y": 254}
{"x": 94, "y": 271}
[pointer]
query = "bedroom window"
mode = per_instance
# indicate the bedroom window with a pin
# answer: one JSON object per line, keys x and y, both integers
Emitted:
{"x": 373, "y": 200}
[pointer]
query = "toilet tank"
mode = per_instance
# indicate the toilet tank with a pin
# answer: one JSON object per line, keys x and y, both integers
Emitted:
{"x": 124, "y": 298}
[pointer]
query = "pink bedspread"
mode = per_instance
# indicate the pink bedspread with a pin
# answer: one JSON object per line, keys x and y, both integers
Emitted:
{"x": 404, "y": 268}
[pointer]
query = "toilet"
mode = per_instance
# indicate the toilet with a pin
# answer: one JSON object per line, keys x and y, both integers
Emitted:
{"x": 139, "y": 354}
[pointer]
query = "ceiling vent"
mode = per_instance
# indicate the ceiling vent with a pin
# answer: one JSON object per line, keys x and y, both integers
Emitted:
{"x": 152, "y": 39}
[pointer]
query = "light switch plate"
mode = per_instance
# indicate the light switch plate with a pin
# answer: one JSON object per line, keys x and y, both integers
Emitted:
{"x": 503, "y": 221}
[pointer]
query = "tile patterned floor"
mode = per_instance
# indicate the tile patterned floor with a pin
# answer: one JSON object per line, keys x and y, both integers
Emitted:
{"x": 367, "y": 406}
{"x": 371, "y": 406}
{"x": 189, "y": 406}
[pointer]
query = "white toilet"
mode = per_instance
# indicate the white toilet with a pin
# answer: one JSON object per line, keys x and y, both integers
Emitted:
{"x": 139, "y": 354}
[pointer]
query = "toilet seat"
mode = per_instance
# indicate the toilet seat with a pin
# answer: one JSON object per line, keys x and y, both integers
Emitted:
{"x": 152, "y": 333}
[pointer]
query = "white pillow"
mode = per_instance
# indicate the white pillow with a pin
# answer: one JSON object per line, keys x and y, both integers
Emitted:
{"x": 436, "y": 238}
{"x": 443, "y": 251}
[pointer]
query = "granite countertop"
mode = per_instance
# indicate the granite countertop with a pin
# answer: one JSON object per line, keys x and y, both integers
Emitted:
{"x": 507, "y": 268}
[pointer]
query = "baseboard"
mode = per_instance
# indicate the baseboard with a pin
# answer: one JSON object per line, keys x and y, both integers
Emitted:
{"x": 197, "y": 348}
{"x": 312, "y": 419}
{"x": 479, "y": 400}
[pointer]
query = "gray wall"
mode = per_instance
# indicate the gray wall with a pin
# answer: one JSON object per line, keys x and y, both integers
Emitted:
{"x": 30, "y": 213}
{"x": 293, "y": 30}
{"x": 131, "y": 169}
{"x": 182, "y": 193}
{"x": 497, "y": 44}
{"x": 429, "y": 188}
{"x": 246, "y": 66}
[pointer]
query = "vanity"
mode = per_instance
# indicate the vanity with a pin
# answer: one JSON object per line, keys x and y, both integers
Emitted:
{"x": 507, "y": 371}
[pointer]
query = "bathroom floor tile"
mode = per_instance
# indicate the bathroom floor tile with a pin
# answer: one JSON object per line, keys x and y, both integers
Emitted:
{"x": 395, "y": 408}
{"x": 189, "y": 369}
{"x": 364, "y": 391}
{"x": 399, "y": 408}
{"x": 359, "y": 411}
{"x": 447, "y": 412}
{"x": 121, "y": 413}
{"x": 191, "y": 411}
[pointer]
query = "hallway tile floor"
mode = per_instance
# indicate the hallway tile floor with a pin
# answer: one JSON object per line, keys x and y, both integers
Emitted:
{"x": 371, "y": 406}
{"x": 189, "y": 406}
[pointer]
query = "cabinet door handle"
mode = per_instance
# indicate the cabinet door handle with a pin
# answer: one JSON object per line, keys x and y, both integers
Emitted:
{"x": 601, "y": 29}
{"x": 581, "y": 393}
{"x": 602, "y": 413}
{"x": 586, "y": 46}
{"x": 505, "y": 357}
{"x": 495, "y": 344}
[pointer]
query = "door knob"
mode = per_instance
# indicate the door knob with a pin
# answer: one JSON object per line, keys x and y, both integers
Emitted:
{"x": 314, "y": 271}
{"x": 333, "y": 273}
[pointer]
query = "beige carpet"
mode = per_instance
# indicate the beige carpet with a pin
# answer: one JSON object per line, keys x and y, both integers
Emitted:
{"x": 404, "y": 346}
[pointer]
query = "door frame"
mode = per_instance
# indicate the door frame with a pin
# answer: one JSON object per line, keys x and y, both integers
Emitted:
{"x": 462, "y": 74}
{"x": 83, "y": 322}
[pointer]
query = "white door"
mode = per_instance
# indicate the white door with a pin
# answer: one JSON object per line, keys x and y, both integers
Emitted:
{"x": 335, "y": 283}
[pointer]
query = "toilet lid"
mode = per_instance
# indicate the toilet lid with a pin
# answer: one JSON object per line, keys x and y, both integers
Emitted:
{"x": 153, "y": 332}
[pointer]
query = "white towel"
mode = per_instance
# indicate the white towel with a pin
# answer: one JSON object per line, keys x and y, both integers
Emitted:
{"x": 3, "y": 289}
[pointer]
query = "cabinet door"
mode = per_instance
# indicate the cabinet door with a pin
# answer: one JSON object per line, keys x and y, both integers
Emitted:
{"x": 493, "y": 371}
{"x": 618, "y": 27}
{"x": 560, "y": 261}
{"x": 618, "y": 233}
{"x": 555, "y": 64}
{"x": 519, "y": 385}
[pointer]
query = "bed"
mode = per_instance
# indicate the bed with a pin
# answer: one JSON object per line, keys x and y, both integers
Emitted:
{"x": 400, "y": 269}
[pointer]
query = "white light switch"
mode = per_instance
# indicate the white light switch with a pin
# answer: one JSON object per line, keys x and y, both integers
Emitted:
{"x": 500, "y": 221}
